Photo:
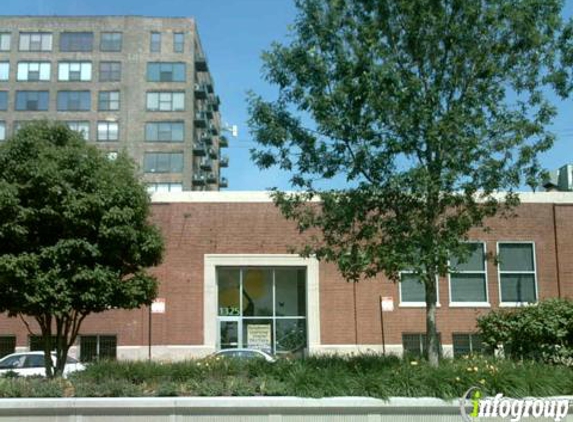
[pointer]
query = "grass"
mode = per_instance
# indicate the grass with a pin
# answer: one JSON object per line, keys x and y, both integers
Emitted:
{"x": 321, "y": 376}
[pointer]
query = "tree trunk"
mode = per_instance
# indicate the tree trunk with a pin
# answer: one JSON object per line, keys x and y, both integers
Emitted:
{"x": 432, "y": 341}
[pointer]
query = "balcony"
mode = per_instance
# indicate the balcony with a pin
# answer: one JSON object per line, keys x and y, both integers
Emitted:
{"x": 224, "y": 161}
{"x": 199, "y": 150}
{"x": 212, "y": 153}
{"x": 200, "y": 91}
{"x": 215, "y": 102}
{"x": 201, "y": 63}
{"x": 200, "y": 119}
{"x": 198, "y": 180}
{"x": 211, "y": 178}
{"x": 209, "y": 86}
{"x": 206, "y": 139}
{"x": 209, "y": 112}
{"x": 223, "y": 142}
{"x": 223, "y": 183}
{"x": 206, "y": 164}
{"x": 214, "y": 129}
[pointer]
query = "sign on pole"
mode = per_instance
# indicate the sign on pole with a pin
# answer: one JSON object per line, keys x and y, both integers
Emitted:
{"x": 387, "y": 304}
{"x": 158, "y": 306}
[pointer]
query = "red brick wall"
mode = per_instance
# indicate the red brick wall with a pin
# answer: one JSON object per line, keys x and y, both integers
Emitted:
{"x": 194, "y": 229}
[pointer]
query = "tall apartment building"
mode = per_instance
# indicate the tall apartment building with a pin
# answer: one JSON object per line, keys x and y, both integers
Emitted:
{"x": 128, "y": 83}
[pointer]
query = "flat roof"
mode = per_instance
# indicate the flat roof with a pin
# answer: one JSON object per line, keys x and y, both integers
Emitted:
{"x": 265, "y": 196}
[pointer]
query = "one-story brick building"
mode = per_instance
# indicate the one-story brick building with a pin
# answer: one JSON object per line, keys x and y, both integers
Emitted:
{"x": 228, "y": 280}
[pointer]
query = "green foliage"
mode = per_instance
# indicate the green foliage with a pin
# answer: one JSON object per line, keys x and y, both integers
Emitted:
{"x": 427, "y": 110}
{"x": 31, "y": 387}
{"x": 75, "y": 236}
{"x": 542, "y": 332}
{"x": 321, "y": 376}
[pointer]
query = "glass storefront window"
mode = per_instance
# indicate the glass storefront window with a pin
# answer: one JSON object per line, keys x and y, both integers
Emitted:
{"x": 262, "y": 308}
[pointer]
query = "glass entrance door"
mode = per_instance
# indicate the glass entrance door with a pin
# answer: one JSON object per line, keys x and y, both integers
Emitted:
{"x": 229, "y": 333}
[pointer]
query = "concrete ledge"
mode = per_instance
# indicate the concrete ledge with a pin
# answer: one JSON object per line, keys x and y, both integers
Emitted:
{"x": 272, "y": 409}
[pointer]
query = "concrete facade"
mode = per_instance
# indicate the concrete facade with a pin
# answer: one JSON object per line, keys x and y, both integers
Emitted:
{"x": 178, "y": 43}
{"x": 206, "y": 230}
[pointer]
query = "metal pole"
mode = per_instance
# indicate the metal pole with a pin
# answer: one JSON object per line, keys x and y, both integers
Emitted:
{"x": 382, "y": 326}
{"x": 149, "y": 334}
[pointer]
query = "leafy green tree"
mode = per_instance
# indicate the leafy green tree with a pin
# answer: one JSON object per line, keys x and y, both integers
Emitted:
{"x": 75, "y": 236}
{"x": 428, "y": 109}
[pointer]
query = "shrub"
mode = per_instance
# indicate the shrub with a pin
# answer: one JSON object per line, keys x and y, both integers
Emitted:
{"x": 541, "y": 332}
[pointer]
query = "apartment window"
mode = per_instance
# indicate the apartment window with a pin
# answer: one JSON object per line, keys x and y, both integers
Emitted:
{"x": 3, "y": 100}
{"x": 164, "y": 131}
{"x": 163, "y": 162}
{"x": 111, "y": 41}
{"x": 466, "y": 344}
{"x": 98, "y": 347}
{"x": 75, "y": 71}
{"x": 5, "y": 41}
{"x": 33, "y": 71}
{"x": 517, "y": 274}
{"x": 107, "y": 131}
{"x": 82, "y": 127}
{"x": 110, "y": 71}
{"x": 7, "y": 345}
{"x": 4, "y": 71}
{"x": 2, "y": 131}
{"x": 165, "y": 101}
{"x": 76, "y": 41}
{"x": 74, "y": 100}
{"x": 155, "y": 42}
{"x": 412, "y": 291}
{"x": 468, "y": 280}
{"x": 414, "y": 344}
{"x": 35, "y": 41}
{"x": 165, "y": 187}
{"x": 178, "y": 42}
{"x": 165, "y": 72}
{"x": 32, "y": 100}
{"x": 108, "y": 100}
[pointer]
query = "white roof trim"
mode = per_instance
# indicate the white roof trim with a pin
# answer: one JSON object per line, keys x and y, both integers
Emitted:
{"x": 264, "y": 196}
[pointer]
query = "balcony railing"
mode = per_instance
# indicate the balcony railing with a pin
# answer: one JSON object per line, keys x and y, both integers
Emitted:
{"x": 224, "y": 161}
{"x": 201, "y": 63}
{"x": 199, "y": 150}
{"x": 201, "y": 91}
{"x": 223, "y": 183}
{"x": 206, "y": 164}
{"x": 199, "y": 180}
{"x": 223, "y": 142}
{"x": 200, "y": 119}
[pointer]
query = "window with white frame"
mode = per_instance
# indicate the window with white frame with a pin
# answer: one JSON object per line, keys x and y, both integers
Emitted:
{"x": 468, "y": 279}
{"x": 517, "y": 273}
{"x": 5, "y": 41}
{"x": 35, "y": 41}
{"x": 166, "y": 101}
{"x": 82, "y": 127}
{"x": 412, "y": 290}
{"x": 2, "y": 131}
{"x": 4, "y": 71}
{"x": 75, "y": 71}
{"x": 107, "y": 131}
{"x": 108, "y": 101}
{"x": 33, "y": 71}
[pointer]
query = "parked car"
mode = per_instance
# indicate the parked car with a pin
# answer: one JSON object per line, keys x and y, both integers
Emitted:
{"x": 244, "y": 354}
{"x": 32, "y": 363}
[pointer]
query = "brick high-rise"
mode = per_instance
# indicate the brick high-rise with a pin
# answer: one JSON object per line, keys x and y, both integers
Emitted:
{"x": 132, "y": 83}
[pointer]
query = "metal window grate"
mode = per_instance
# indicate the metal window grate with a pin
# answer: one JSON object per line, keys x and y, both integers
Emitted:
{"x": 98, "y": 347}
{"x": 7, "y": 345}
{"x": 414, "y": 344}
{"x": 37, "y": 343}
{"x": 466, "y": 344}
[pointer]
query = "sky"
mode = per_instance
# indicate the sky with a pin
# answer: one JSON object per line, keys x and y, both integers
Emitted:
{"x": 234, "y": 33}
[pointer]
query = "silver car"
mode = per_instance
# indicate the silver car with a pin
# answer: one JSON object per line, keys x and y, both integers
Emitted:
{"x": 28, "y": 364}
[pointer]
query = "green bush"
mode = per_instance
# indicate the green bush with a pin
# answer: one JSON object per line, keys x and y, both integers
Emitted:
{"x": 541, "y": 332}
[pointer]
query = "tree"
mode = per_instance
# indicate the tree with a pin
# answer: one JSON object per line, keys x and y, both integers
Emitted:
{"x": 75, "y": 236}
{"x": 428, "y": 110}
